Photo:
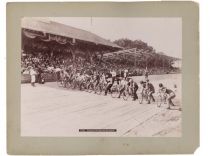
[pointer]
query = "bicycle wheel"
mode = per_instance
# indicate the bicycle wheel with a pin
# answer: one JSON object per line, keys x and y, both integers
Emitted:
{"x": 64, "y": 84}
{"x": 91, "y": 88}
{"x": 76, "y": 84}
{"x": 126, "y": 95}
{"x": 98, "y": 89}
{"x": 68, "y": 85}
{"x": 140, "y": 98}
{"x": 160, "y": 101}
{"x": 71, "y": 84}
{"x": 114, "y": 92}
{"x": 86, "y": 86}
{"x": 82, "y": 86}
{"x": 59, "y": 83}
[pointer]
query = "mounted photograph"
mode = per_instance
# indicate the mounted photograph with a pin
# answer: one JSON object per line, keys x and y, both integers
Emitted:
{"x": 101, "y": 77}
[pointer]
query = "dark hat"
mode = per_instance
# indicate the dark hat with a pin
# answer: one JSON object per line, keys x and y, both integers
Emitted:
{"x": 160, "y": 85}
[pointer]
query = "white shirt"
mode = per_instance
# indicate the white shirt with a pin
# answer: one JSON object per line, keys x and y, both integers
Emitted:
{"x": 32, "y": 72}
{"x": 125, "y": 73}
{"x": 113, "y": 73}
{"x": 123, "y": 82}
{"x": 57, "y": 69}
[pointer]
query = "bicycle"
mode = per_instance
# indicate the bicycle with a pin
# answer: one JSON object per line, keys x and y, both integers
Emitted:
{"x": 59, "y": 80}
{"x": 100, "y": 88}
{"x": 59, "y": 83}
{"x": 143, "y": 96}
{"x": 90, "y": 87}
{"x": 83, "y": 85}
{"x": 66, "y": 82}
{"x": 115, "y": 91}
{"x": 127, "y": 93}
{"x": 161, "y": 99}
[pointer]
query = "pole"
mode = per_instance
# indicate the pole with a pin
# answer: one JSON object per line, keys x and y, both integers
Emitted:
{"x": 135, "y": 57}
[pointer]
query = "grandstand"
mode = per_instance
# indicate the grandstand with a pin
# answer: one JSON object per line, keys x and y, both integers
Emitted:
{"x": 56, "y": 44}
{"x": 137, "y": 56}
{"x": 56, "y": 37}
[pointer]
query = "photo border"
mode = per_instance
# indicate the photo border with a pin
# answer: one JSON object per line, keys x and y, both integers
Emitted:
{"x": 186, "y": 144}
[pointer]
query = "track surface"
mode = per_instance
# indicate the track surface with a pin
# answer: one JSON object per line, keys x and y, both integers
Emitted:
{"x": 48, "y": 110}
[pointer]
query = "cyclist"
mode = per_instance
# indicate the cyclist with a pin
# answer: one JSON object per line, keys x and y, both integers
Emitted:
{"x": 143, "y": 91}
{"x": 90, "y": 82}
{"x": 143, "y": 86}
{"x": 134, "y": 87}
{"x": 65, "y": 75}
{"x": 81, "y": 80}
{"x": 96, "y": 79}
{"x": 122, "y": 86}
{"x": 57, "y": 72}
{"x": 170, "y": 93}
{"x": 109, "y": 84}
{"x": 150, "y": 91}
{"x": 103, "y": 78}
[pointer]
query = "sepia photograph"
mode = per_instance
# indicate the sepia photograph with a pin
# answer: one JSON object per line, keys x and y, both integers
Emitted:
{"x": 101, "y": 77}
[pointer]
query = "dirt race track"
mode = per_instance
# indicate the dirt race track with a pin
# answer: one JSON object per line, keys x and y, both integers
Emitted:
{"x": 48, "y": 110}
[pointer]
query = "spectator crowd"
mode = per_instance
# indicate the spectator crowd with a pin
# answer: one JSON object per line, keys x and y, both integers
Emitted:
{"x": 47, "y": 63}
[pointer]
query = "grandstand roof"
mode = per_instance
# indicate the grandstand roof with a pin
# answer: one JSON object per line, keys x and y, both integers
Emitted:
{"x": 129, "y": 52}
{"x": 56, "y": 28}
{"x": 133, "y": 53}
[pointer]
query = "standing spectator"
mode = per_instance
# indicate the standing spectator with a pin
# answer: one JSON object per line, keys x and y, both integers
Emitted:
{"x": 33, "y": 76}
{"x": 39, "y": 75}
{"x": 146, "y": 74}
{"x": 125, "y": 73}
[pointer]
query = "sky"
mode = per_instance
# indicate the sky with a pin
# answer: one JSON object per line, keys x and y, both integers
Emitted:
{"x": 163, "y": 34}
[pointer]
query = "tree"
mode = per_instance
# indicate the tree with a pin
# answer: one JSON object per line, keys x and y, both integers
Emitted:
{"x": 149, "y": 57}
{"x": 128, "y": 44}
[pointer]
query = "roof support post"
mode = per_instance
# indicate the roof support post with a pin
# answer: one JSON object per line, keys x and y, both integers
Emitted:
{"x": 72, "y": 49}
{"x": 135, "y": 57}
